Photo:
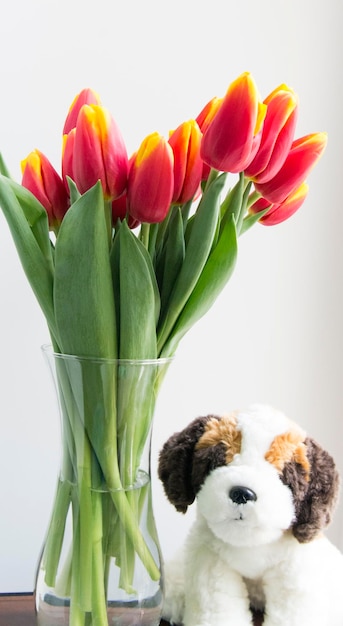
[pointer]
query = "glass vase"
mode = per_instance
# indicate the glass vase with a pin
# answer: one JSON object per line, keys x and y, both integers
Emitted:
{"x": 101, "y": 562}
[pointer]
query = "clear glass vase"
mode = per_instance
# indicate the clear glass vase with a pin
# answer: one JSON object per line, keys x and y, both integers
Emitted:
{"x": 101, "y": 562}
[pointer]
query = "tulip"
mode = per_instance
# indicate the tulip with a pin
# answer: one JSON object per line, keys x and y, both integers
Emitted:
{"x": 232, "y": 137}
{"x": 280, "y": 212}
{"x": 86, "y": 96}
{"x": 41, "y": 178}
{"x": 151, "y": 180}
{"x": 185, "y": 142}
{"x": 99, "y": 152}
{"x": 277, "y": 135}
{"x": 207, "y": 114}
{"x": 203, "y": 119}
{"x": 302, "y": 157}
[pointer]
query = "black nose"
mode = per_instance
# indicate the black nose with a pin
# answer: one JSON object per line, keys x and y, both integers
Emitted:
{"x": 241, "y": 495}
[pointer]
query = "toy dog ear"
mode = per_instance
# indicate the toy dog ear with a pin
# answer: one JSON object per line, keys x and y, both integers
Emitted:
{"x": 175, "y": 464}
{"x": 315, "y": 495}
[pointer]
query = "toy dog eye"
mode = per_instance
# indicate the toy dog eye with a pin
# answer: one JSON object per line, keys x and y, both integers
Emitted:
{"x": 241, "y": 495}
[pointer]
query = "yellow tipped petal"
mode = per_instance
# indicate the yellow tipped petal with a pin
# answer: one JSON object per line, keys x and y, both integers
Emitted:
{"x": 230, "y": 137}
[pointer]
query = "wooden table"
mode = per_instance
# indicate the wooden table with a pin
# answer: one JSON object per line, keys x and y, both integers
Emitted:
{"x": 18, "y": 610}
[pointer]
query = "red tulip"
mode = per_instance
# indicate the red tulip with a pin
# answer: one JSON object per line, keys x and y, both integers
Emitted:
{"x": 86, "y": 96}
{"x": 232, "y": 137}
{"x": 302, "y": 157}
{"x": 151, "y": 180}
{"x": 280, "y": 212}
{"x": 99, "y": 152}
{"x": 185, "y": 142}
{"x": 41, "y": 178}
{"x": 207, "y": 114}
{"x": 203, "y": 119}
{"x": 277, "y": 135}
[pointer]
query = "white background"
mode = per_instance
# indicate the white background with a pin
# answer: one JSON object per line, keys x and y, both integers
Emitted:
{"x": 275, "y": 335}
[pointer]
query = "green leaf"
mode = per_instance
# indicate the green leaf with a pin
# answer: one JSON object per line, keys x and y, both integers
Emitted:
{"x": 73, "y": 190}
{"x": 154, "y": 284}
{"x": 83, "y": 294}
{"x": 204, "y": 226}
{"x": 232, "y": 204}
{"x": 251, "y": 219}
{"x": 28, "y": 226}
{"x": 137, "y": 296}
{"x": 173, "y": 257}
{"x": 37, "y": 218}
{"x": 148, "y": 260}
{"x": 3, "y": 167}
{"x": 212, "y": 281}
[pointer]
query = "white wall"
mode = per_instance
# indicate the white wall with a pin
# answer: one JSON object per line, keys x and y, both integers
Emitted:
{"x": 275, "y": 335}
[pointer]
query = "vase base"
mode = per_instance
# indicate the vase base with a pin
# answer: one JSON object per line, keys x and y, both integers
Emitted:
{"x": 54, "y": 611}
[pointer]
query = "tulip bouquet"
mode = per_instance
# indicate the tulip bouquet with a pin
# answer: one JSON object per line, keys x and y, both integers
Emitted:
{"x": 124, "y": 255}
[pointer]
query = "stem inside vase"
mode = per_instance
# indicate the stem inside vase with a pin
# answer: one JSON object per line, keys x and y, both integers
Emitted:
{"x": 101, "y": 560}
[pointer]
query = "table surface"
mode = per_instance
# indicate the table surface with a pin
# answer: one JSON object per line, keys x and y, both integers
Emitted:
{"x": 18, "y": 610}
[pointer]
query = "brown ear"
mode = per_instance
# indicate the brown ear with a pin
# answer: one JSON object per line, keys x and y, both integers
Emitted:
{"x": 315, "y": 495}
{"x": 175, "y": 464}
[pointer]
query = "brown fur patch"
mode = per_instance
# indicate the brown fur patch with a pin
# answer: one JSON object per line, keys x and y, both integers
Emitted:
{"x": 314, "y": 499}
{"x": 289, "y": 447}
{"x": 223, "y": 431}
{"x": 175, "y": 468}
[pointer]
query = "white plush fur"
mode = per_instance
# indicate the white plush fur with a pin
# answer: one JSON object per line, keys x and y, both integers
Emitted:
{"x": 242, "y": 555}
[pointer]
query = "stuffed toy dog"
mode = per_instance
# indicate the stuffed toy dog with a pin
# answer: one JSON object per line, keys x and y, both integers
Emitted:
{"x": 264, "y": 493}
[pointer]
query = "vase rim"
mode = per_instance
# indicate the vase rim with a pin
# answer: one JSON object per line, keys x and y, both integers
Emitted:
{"x": 47, "y": 349}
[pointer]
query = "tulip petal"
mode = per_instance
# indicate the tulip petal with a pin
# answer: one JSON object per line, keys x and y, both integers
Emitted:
{"x": 228, "y": 140}
{"x": 99, "y": 152}
{"x": 41, "y": 178}
{"x": 207, "y": 114}
{"x": 281, "y": 212}
{"x": 277, "y": 135}
{"x": 33, "y": 180}
{"x": 86, "y": 96}
{"x": 151, "y": 180}
{"x": 188, "y": 165}
{"x": 303, "y": 156}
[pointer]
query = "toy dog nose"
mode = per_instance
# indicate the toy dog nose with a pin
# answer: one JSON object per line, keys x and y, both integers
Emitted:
{"x": 241, "y": 495}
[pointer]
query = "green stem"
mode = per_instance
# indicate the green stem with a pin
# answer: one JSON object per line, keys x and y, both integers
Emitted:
{"x": 99, "y": 612}
{"x": 127, "y": 559}
{"x": 152, "y": 240}
{"x": 254, "y": 196}
{"x": 243, "y": 207}
{"x": 76, "y": 616}
{"x": 144, "y": 234}
{"x": 84, "y": 574}
{"x": 83, "y": 394}
{"x": 53, "y": 547}
{"x": 131, "y": 526}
